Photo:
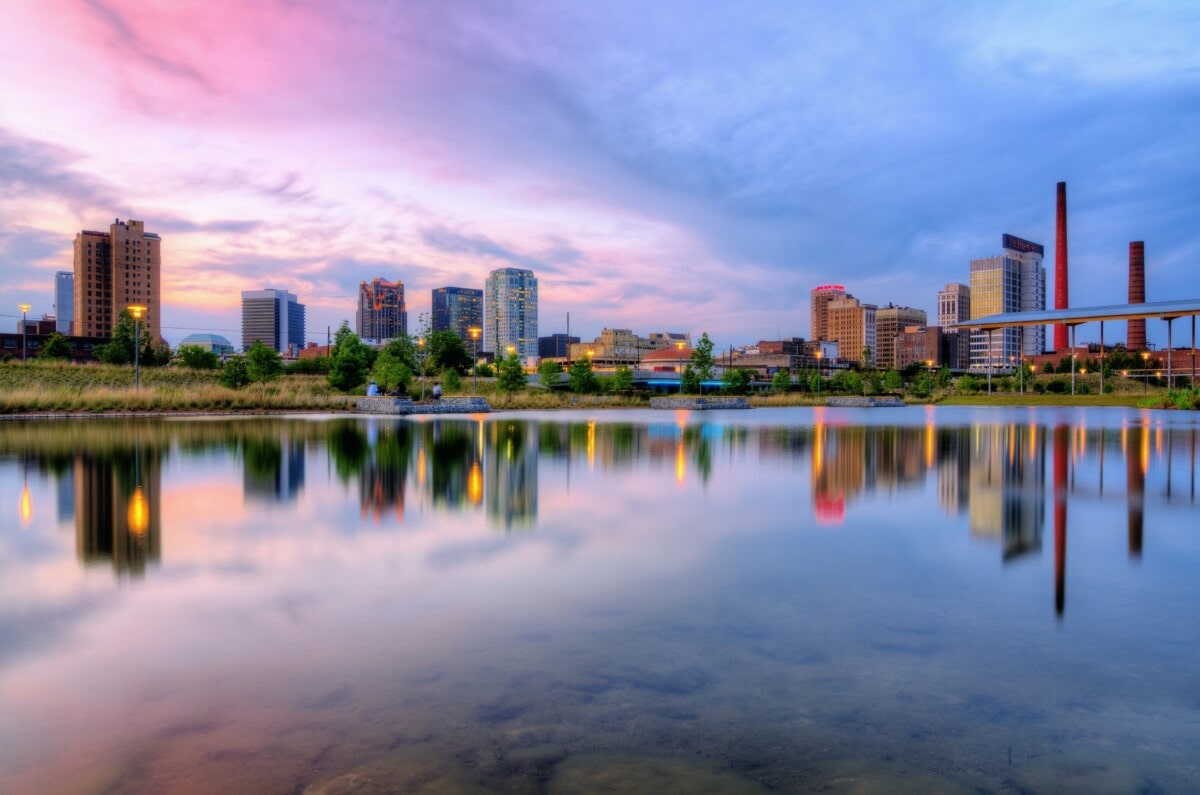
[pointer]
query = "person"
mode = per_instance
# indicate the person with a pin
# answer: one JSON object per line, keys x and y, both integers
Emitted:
{"x": 437, "y": 391}
{"x": 372, "y": 390}
{"x": 400, "y": 390}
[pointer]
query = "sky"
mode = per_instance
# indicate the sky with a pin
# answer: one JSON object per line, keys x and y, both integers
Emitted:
{"x": 660, "y": 166}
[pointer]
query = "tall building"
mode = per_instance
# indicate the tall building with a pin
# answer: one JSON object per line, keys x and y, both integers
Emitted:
{"x": 273, "y": 316}
{"x": 819, "y": 302}
{"x": 1013, "y": 281}
{"x": 64, "y": 302}
{"x": 510, "y": 307}
{"x": 114, "y": 270}
{"x": 890, "y": 321}
{"x": 458, "y": 309}
{"x": 851, "y": 324}
{"x": 381, "y": 312}
{"x": 555, "y": 346}
{"x": 954, "y": 306}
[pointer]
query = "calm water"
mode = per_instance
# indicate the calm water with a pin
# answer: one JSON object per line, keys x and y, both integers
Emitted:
{"x": 851, "y": 601}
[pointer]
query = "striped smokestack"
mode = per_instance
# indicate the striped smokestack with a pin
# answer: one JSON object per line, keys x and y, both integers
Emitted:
{"x": 1060, "y": 267}
{"x": 1135, "y": 337}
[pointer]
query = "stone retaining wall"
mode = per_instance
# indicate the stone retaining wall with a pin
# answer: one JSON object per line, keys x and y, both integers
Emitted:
{"x": 699, "y": 403}
{"x": 865, "y": 402}
{"x": 404, "y": 405}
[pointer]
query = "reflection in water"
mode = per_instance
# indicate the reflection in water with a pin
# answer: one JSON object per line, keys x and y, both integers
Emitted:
{"x": 568, "y": 585}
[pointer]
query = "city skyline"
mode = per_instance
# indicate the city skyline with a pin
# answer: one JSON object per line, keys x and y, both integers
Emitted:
{"x": 680, "y": 167}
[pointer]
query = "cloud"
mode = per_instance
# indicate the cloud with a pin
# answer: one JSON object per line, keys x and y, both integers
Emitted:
{"x": 31, "y": 168}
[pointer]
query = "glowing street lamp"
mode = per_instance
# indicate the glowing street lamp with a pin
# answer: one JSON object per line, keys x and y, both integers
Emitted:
{"x": 818, "y": 373}
{"x": 421, "y": 356}
{"x": 137, "y": 312}
{"x": 474, "y": 331}
{"x": 24, "y": 311}
{"x": 1145, "y": 372}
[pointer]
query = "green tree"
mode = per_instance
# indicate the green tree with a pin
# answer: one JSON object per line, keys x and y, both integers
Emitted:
{"x": 622, "y": 381}
{"x": 262, "y": 363}
{"x": 944, "y": 378}
{"x": 893, "y": 381}
{"x": 846, "y": 382}
{"x": 119, "y": 348}
{"x": 56, "y": 346}
{"x": 548, "y": 372}
{"x": 581, "y": 378}
{"x": 922, "y": 384}
{"x": 404, "y": 351}
{"x": 390, "y": 371}
{"x": 510, "y": 376}
{"x": 351, "y": 360}
{"x": 736, "y": 381}
{"x": 309, "y": 365}
{"x": 968, "y": 383}
{"x": 485, "y": 370}
{"x": 868, "y": 358}
{"x": 689, "y": 381}
{"x": 447, "y": 352}
{"x": 451, "y": 380}
{"x": 197, "y": 357}
{"x": 781, "y": 381}
{"x": 702, "y": 358}
{"x": 234, "y": 374}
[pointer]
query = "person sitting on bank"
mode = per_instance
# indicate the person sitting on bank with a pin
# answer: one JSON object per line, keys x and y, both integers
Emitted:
{"x": 372, "y": 389}
{"x": 437, "y": 391}
{"x": 400, "y": 390}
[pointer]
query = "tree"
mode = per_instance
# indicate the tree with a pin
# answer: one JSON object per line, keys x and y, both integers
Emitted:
{"x": 404, "y": 351}
{"x": 922, "y": 384}
{"x": 781, "y": 381}
{"x": 197, "y": 357}
{"x": 736, "y": 381}
{"x": 622, "y": 380}
{"x": 390, "y": 370}
{"x": 689, "y": 381}
{"x": 451, "y": 380}
{"x": 447, "y": 352}
{"x": 968, "y": 383}
{"x": 234, "y": 374}
{"x": 944, "y": 378}
{"x": 351, "y": 360}
{"x": 581, "y": 378}
{"x": 510, "y": 376}
{"x": 847, "y": 382}
{"x": 702, "y": 358}
{"x": 56, "y": 346}
{"x": 309, "y": 365}
{"x": 262, "y": 363}
{"x": 119, "y": 348}
{"x": 868, "y": 358}
{"x": 893, "y": 381}
{"x": 548, "y": 372}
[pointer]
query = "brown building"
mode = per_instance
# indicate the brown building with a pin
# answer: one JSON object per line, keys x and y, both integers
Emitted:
{"x": 819, "y": 303}
{"x": 382, "y": 314}
{"x": 890, "y": 321}
{"x": 852, "y": 326}
{"x": 920, "y": 345}
{"x": 114, "y": 270}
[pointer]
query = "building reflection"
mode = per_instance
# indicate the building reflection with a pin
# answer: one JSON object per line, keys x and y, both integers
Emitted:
{"x": 118, "y": 508}
{"x": 510, "y": 473}
{"x": 273, "y": 468}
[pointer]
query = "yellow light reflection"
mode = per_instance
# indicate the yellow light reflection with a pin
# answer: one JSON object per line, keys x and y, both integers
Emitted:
{"x": 1145, "y": 451}
{"x": 139, "y": 512}
{"x": 591, "y": 444}
{"x": 26, "y": 507}
{"x": 930, "y": 440}
{"x": 421, "y": 465}
{"x": 680, "y": 462}
{"x": 475, "y": 483}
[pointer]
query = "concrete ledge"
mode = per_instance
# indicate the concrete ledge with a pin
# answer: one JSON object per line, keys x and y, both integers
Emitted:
{"x": 865, "y": 402}
{"x": 699, "y": 403}
{"x": 405, "y": 405}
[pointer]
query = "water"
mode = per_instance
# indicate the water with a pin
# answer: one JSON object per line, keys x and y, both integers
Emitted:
{"x": 952, "y": 600}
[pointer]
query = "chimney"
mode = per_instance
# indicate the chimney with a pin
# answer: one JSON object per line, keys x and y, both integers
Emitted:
{"x": 1135, "y": 336}
{"x": 1060, "y": 267}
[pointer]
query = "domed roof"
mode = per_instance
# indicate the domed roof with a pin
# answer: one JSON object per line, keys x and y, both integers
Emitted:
{"x": 671, "y": 354}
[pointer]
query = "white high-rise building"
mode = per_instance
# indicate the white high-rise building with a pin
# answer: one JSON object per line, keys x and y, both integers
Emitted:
{"x": 1013, "y": 281}
{"x": 510, "y": 309}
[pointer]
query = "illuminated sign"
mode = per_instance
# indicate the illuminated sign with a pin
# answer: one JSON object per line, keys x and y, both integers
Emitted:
{"x": 828, "y": 287}
{"x": 1017, "y": 244}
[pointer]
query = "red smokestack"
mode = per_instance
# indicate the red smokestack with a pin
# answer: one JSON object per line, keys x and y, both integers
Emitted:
{"x": 1060, "y": 267}
{"x": 1135, "y": 337}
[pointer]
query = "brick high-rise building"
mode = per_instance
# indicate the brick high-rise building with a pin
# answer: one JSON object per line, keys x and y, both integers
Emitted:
{"x": 458, "y": 309}
{"x": 381, "y": 313}
{"x": 510, "y": 308}
{"x": 852, "y": 326}
{"x": 819, "y": 303}
{"x": 890, "y": 321}
{"x": 114, "y": 270}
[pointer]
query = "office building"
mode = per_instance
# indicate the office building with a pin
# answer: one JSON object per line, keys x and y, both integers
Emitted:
{"x": 1013, "y": 281}
{"x": 114, "y": 270}
{"x": 556, "y": 346}
{"x": 458, "y": 309}
{"x": 64, "y": 302}
{"x": 954, "y": 306}
{"x": 890, "y": 321}
{"x": 510, "y": 307}
{"x": 275, "y": 317}
{"x": 819, "y": 302}
{"x": 851, "y": 324}
{"x": 381, "y": 312}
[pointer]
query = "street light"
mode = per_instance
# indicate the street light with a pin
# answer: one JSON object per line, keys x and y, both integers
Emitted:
{"x": 421, "y": 356}
{"x": 137, "y": 312}
{"x": 1145, "y": 372}
{"x": 818, "y": 374}
{"x": 474, "y": 332}
{"x": 24, "y": 311}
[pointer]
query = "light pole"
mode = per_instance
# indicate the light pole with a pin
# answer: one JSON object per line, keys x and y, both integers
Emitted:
{"x": 421, "y": 355}
{"x": 24, "y": 311}
{"x": 1145, "y": 372}
{"x": 818, "y": 374}
{"x": 137, "y": 312}
{"x": 474, "y": 332}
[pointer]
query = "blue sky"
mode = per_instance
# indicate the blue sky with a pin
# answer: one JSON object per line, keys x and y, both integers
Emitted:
{"x": 686, "y": 166}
